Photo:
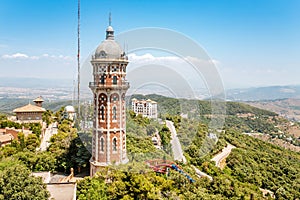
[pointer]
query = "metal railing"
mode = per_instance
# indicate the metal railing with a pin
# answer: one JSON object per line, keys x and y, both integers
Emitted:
{"x": 122, "y": 85}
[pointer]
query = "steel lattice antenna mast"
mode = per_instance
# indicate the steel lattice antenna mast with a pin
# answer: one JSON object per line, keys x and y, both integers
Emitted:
{"x": 78, "y": 59}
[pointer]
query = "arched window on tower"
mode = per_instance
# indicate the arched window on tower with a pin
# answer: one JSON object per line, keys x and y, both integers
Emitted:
{"x": 102, "y": 144}
{"x": 115, "y": 98}
{"x": 115, "y": 79}
{"x": 102, "y": 79}
{"x": 102, "y": 112}
{"x": 114, "y": 113}
{"x": 115, "y": 144}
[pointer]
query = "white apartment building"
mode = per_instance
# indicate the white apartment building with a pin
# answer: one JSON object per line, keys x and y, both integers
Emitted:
{"x": 147, "y": 108}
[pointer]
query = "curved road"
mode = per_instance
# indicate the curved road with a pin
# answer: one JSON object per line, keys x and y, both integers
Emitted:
{"x": 223, "y": 155}
{"x": 176, "y": 146}
{"x": 177, "y": 150}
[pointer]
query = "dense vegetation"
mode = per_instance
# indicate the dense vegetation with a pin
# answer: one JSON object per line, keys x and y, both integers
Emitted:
{"x": 139, "y": 133}
{"x": 66, "y": 151}
{"x": 258, "y": 120}
{"x": 34, "y": 127}
{"x": 22, "y": 156}
{"x": 17, "y": 183}
{"x": 198, "y": 108}
{"x": 264, "y": 165}
{"x": 252, "y": 165}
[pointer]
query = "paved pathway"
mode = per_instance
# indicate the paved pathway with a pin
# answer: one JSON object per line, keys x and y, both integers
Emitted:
{"x": 176, "y": 147}
{"x": 177, "y": 150}
{"x": 45, "y": 142}
{"x": 202, "y": 174}
{"x": 223, "y": 155}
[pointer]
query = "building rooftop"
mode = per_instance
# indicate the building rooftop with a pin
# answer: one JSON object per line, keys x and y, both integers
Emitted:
{"x": 6, "y": 137}
{"x": 62, "y": 191}
{"x": 46, "y": 176}
{"x": 144, "y": 101}
{"x": 149, "y": 100}
{"x": 15, "y": 131}
{"x": 39, "y": 99}
{"x": 29, "y": 108}
{"x": 109, "y": 48}
{"x": 70, "y": 109}
{"x": 60, "y": 186}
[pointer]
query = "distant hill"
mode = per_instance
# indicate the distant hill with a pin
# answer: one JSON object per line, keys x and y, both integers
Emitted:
{"x": 287, "y": 108}
{"x": 263, "y": 93}
{"x": 35, "y": 82}
{"x": 7, "y": 105}
{"x": 239, "y": 116}
{"x": 199, "y": 107}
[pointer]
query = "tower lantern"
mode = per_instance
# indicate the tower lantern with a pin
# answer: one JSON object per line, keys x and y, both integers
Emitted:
{"x": 38, "y": 101}
{"x": 109, "y": 87}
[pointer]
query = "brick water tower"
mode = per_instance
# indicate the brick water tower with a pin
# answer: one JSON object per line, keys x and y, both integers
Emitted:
{"x": 109, "y": 87}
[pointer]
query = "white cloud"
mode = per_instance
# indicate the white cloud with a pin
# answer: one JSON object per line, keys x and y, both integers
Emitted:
{"x": 146, "y": 58}
{"x": 18, "y": 56}
{"x": 215, "y": 62}
{"x": 39, "y": 65}
{"x": 69, "y": 58}
{"x": 59, "y": 57}
{"x": 34, "y": 57}
{"x": 192, "y": 69}
{"x": 150, "y": 58}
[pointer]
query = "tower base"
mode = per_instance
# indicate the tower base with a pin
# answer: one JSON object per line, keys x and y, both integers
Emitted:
{"x": 96, "y": 166}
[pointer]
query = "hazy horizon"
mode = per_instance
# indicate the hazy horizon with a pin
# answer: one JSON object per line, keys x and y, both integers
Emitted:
{"x": 71, "y": 81}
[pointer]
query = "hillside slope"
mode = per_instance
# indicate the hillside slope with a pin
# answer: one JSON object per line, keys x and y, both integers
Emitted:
{"x": 239, "y": 116}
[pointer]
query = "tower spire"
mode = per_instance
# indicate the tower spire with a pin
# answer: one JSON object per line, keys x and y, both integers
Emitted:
{"x": 109, "y": 30}
{"x": 109, "y": 19}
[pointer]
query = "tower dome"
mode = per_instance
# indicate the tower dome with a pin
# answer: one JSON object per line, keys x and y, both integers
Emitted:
{"x": 109, "y": 29}
{"x": 109, "y": 48}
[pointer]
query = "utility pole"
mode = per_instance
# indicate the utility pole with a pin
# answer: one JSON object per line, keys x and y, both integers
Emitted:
{"x": 78, "y": 60}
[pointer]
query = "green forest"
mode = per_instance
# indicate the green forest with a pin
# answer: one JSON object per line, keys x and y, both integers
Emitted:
{"x": 252, "y": 166}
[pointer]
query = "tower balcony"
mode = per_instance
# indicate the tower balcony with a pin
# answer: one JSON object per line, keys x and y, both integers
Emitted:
{"x": 94, "y": 85}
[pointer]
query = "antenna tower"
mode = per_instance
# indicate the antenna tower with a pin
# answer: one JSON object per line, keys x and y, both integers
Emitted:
{"x": 78, "y": 59}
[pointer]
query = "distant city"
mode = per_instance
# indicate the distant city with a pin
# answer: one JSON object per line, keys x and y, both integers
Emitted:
{"x": 64, "y": 89}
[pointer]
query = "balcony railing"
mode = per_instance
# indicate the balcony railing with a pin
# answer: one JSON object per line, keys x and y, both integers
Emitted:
{"x": 122, "y": 85}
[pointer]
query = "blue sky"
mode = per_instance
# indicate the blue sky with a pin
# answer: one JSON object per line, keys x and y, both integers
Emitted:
{"x": 256, "y": 42}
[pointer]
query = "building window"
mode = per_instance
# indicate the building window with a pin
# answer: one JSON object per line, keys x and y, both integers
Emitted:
{"x": 102, "y": 79}
{"x": 102, "y": 98}
{"x": 114, "y": 69}
{"x": 102, "y": 112}
{"x": 101, "y": 144}
{"x": 115, "y": 144}
{"x": 115, "y": 98}
{"x": 114, "y": 113}
{"x": 115, "y": 80}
